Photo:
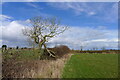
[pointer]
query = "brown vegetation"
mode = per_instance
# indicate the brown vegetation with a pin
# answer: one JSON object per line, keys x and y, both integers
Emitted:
{"x": 57, "y": 51}
{"x": 60, "y": 50}
{"x": 34, "y": 68}
{"x": 31, "y": 68}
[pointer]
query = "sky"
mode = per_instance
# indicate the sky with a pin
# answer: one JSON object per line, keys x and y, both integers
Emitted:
{"x": 91, "y": 24}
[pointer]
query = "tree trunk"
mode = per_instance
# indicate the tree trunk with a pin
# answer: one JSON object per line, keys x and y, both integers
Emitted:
{"x": 40, "y": 48}
{"x": 42, "y": 43}
{"x": 51, "y": 53}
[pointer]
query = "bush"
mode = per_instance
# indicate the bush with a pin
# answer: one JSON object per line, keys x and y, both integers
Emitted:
{"x": 60, "y": 50}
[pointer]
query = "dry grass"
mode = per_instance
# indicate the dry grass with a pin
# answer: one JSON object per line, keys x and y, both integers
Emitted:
{"x": 34, "y": 68}
{"x": 52, "y": 69}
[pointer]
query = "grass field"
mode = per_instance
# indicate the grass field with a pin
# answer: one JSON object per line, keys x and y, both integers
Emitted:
{"x": 17, "y": 62}
{"x": 91, "y": 66}
{"x": 21, "y": 54}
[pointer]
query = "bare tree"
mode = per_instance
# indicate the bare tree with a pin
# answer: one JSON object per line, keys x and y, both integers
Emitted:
{"x": 43, "y": 29}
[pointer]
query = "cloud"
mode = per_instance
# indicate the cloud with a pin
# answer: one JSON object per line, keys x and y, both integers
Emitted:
{"x": 34, "y": 5}
{"x": 76, "y": 7}
{"x": 4, "y": 17}
{"x": 33, "y": 8}
{"x": 88, "y": 37}
{"x": 113, "y": 12}
{"x": 11, "y": 31}
{"x": 100, "y": 11}
{"x": 91, "y": 13}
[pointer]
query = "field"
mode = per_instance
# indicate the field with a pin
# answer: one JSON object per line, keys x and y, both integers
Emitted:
{"x": 25, "y": 63}
{"x": 91, "y": 66}
{"x": 21, "y": 54}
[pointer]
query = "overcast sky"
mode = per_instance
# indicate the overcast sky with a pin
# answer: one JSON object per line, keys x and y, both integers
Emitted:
{"x": 92, "y": 24}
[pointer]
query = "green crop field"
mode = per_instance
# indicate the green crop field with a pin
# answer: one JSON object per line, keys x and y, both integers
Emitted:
{"x": 91, "y": 66}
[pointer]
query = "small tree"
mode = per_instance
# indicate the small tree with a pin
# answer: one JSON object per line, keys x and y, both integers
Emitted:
{"x": 17, "y": 47}
{"x": 43, "y": 29}
{"x": 4, "y": 47}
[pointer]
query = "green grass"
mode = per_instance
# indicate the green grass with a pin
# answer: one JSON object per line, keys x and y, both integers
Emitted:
{"x": 22, "y": 54}
{"x": 29, "y": 54}
{"x": 91, "y": 66}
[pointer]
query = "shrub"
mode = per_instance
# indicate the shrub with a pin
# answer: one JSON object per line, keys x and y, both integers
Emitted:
{"x": 17, "y": 47}
{"x": 60, "y": 50}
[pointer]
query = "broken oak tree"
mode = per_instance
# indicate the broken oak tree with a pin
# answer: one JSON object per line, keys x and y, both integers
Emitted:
{"x": 41, "y": 30}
